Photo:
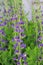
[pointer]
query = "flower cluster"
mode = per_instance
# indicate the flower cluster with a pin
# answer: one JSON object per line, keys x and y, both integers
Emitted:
{"x": 40, "y": 38}
{"x": 4, "y": 20}
{"x": 21, "y": 57}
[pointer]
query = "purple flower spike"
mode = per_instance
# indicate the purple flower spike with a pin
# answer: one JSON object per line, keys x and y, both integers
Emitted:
{"x": 23, "y": 45}
{"x": 20, "y": 46}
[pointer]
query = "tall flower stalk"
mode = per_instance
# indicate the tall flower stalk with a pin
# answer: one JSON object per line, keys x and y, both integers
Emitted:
{"x": 21, "y": 57}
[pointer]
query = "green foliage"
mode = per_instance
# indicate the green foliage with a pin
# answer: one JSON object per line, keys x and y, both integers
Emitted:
{"x": 33, "y": 55}
{"x": 30, "y": 34}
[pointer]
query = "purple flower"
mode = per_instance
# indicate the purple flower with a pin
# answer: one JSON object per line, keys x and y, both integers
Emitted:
{"x": 0, "y": 20}
{"x": 5, "y": 23}
{"x": 1, "y": 24}
{"x": 3, "y": 49}
{"x": 11, "y": 7}
{"x": 42, "y": 14}
{"x": 17, "y": 39}
{"x": 5, "y": 10}
{"x": 1, "y": 16}
{"x": 15, "y": 45}
{"x": 40, "y": 45}
{"x": 42, "y": 22}
{"x": 37, "y": 17}
{"x": 13, "y": 39}
{"x": 14, "y": 59}
{"x": 19, "y": 57}
{"x": 9, "y": 10}
{"x": 25, "y": 63}
{"x": 21, "y": 22}
{"x": 12, "y": 25}
{"x": 17, "y": 26}
{"x": 24, "y": 58}
{"x": 23, "y": 45}
{"x": 18, "y": 63}
{"x": 24, "y": 55}
{"x": 13, "y": 18}
{"x": 1, "y": 31}
{"x": 22, "y": 35}
{"x": 16, "y": 51}
{"x": 3, "y": 40}
{"x": 19, "y": 30}
{"x": 40, "y": 38}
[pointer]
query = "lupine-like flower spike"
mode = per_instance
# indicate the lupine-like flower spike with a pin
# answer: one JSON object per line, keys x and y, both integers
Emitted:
{"x": 19, "y": 44}
{"x": 3, "y": 21}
